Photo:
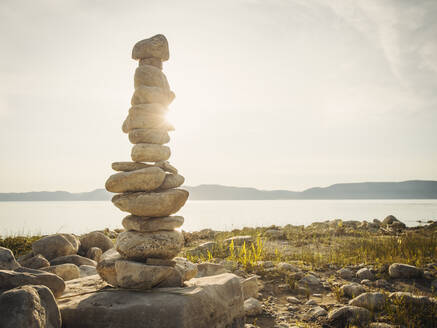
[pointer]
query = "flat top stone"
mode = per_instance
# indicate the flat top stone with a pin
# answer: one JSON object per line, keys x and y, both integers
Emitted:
{"x": 137, "y": 245}
{"x": 129, "y": 166}
{"x": 145, "y": 179}
{"x": 153, "y": 204}
{"x": 83, "y": 285}
{"x": 156, "y": 46}
{"x": 172, "y": 307}
{"x": 25, "y": 276}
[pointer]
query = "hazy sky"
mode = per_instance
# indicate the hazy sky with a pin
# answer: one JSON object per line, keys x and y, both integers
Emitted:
{"x": 277, "y": 94}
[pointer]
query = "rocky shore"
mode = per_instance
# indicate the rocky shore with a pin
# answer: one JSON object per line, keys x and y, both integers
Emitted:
{"x": 329, "y": 274}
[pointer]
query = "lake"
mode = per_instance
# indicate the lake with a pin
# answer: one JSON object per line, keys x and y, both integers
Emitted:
{"x": 17, "y": 218}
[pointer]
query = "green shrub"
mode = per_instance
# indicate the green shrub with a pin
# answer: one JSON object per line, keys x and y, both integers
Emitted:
{"x": 19, "y": 245}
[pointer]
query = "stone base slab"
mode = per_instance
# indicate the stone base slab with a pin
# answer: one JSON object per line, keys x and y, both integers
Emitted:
{"x": 213, "y": 302}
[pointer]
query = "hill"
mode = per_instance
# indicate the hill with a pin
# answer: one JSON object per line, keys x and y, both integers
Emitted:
{"x": 415, "y": 189}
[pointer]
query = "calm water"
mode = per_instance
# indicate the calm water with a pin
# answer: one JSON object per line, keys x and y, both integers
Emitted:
{"x": 81, "y": 217}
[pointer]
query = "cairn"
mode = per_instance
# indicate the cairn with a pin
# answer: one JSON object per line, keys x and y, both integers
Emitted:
{"x": 147, "y": 186}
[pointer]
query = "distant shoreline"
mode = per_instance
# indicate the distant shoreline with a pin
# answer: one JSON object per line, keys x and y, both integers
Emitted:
{"x": 206, "y": 200}
{"x": 414, "y": 189}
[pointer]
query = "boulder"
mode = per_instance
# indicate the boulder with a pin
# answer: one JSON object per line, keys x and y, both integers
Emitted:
{"x": 147, "y": 224}
{"x": 349, "y": 315}
{"x": 150, "y": 76}
{"x": 252, "y": 307}
{"x": 146, "y": 179}
{"x": 389, "y": 220}
{"x": 310, "y": 302}
{"x": 352, "y": 290}
{"x": 345, "y": 273}
{"x": 292, "y": 300}
{"x": 153, "y": 204}
{"x": 365, "y": 273}
{"x": 249, "y": 287}
{"x": 314, "y": 313}
{"x": 144, "y": 152}
{"x": 75, "y": 259}
{"x": 207, "y": 269}
{"x": 66, "y": 271}
{"x": 371, "y": 301}
{"x": 214, "y": 302}
{"x": 382, "y": 283}
{"x": 413, "y": 302}
{"x": 172, "y": 181}
{"x": 397, "y": 226}
{"x": 283, "y": 266}
{"x": 135, "y": 245}
{"x": 156, "y": 46}
{"x": 310, "y": 281}
{"x": 35, "y": 262}
{"x": 188, "y": 269}
{"x": 94, "y": 254}
{"x": 149, "y": 136}
{"x": 404, "y": 271}
{"x": 30, "y": 306}
{"x": 106, "y": 266}
{"x": 25, "y": 257}
{"x": 56, "y": 245}
{"x": 7, "y": 259}
{"x": 95, "y": 239}
{"x": 24, "y": 276}
{"x": 137, "y": 275}
{"x": 87, "y": 270}
{"x": 421, "y": 309}
{"x": 147, "y": 95}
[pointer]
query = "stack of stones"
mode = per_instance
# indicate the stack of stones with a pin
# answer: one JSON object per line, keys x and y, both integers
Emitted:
{"x": 147, "y": 186}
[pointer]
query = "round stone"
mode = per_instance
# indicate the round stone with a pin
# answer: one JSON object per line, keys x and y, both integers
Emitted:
{"x": 146, "y": 95}
{"x": 144, "y": 224}
{"x": 140, "y": 119}
{"x": 153, "y": 204}
{"x": 156, "y": 46}
{"x": 151, "y": 136}
{"x": 106, "y": 266}
{"x": 150, "y": 153}
{"x": 137, "y": 275}
{"x": 140, "y": 180}
{"x": 150, "y": 76}
{"x": 172, "y": 181}
{"x": 136, "y": 245}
